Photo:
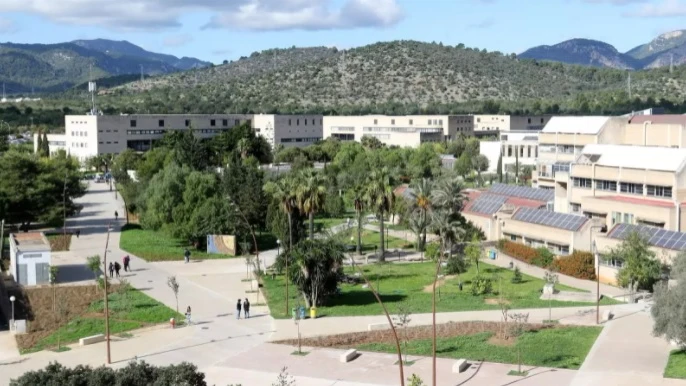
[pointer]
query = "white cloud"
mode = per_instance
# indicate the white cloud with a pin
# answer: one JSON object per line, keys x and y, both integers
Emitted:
{"x": 177, "y": 40}
{"x": 8, "y": 26}
{"x": 239, "y": 14}
{"x": 664, "y": 8}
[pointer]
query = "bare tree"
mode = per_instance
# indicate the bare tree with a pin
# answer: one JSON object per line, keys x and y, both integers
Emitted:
{"x": 402, "y": 320}
{"x": 551, "y": 278}
{"x": 174, "y": 285}
{"x": 284, "y": 379}
{"x": 517, "y": 329}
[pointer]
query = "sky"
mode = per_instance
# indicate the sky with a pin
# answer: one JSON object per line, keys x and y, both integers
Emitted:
{"x": 217, "y": 30}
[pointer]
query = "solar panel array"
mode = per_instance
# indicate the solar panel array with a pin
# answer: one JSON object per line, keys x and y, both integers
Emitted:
{"x": 570, "y": 222}
{"x": 487, "y": 203}
{"x": 524, "y": 192}
{"x": 656, "y": 236}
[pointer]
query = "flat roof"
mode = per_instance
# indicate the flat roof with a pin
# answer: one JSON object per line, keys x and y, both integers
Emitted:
{"x": 568, "y": 222}
{"x": 575, "y": 125}
{"x": 31, "y": 241}
{"x": 637, "y": 157}
{"x": 673, "y": 119}
{"x": 529, "y": 193}
{"x": 656, "y": 237}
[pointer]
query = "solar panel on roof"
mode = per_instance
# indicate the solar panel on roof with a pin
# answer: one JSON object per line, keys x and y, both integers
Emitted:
{"x": 565, "y": 221}
{"x": 523, "y": 192}
{"x": 656, "y": 236}
{"x": 487, "y": 203}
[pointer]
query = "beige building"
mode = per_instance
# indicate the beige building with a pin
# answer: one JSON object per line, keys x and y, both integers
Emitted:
{"x": 403, "y": 131}
{"x": 289, "y": 130}
{"x": 491, "y": 125}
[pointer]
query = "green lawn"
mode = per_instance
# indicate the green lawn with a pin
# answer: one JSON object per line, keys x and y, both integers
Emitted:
{"x": 676, "y": 366}
{"x": 137, "y": 311}
{"x": 158, "y": 246}
{"x": 370, "y": 240}
{"x": 562, "y": 347}
{"x": 406, "y": 282}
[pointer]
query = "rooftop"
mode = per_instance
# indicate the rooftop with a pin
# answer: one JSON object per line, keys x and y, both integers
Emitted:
{"x": 657, "y": 237}
{"x": 526, "y": 192}
{"x": 638, "y": 201}
{"x": 635, "y": 157}
{"x": 575, "y": 125}
{"x": 670, "y": 119}
{"x": 569, "y": 222}
{"x": 31, "y": 241}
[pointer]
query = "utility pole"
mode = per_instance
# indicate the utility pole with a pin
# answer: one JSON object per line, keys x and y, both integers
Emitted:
{"x": 64, "y": 210}
{"x": 107, "y": 308}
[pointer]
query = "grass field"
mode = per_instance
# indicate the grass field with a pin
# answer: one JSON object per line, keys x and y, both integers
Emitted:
{"x": 85, "y": 316}
{"x": 158, "y": 246}
{"x": 370, "y": 240}
{"x": 407, "y": 283}
{"x": 676, "y": 366}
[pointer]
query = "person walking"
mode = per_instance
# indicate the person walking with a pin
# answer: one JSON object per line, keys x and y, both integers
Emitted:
{"x": 246, "y": 308}
{"x": 187, "y": 255}
{"x": 188, "y": 316}
{"x": 116, "y": 215}
{"x": 238, "y": 309}
{"x": 111, "y": 268}
{"x": 127, "y": 261}
{"x": 117, "y": 267}
{"x": 78, "y": 233}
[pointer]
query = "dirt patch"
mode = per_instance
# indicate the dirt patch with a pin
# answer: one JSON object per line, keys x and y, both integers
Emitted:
{"x": 497, "y": 340}
{"x": 495, "y": 302}
{"x": 430, "y": 288}
{"x": 447, "y": 330}
{"x": 59, "y": 242}
{"x": 40, "y": 315}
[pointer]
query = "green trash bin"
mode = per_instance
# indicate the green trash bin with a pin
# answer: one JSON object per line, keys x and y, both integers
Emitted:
{"x": 293, "y": 313}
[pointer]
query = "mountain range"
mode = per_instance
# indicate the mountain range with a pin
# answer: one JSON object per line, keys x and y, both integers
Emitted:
{"x": 666, "y": 49}
{"x": 56, "y": 67}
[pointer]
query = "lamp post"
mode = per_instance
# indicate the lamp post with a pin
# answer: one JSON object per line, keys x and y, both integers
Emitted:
{"x": 278, "y": 247}
{"x": 12, "y": 299}
{"x": 594, "y": 250}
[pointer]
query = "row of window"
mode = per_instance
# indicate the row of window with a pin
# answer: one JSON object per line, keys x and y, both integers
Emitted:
{"x": 79, "y": 144}
{"x": 109, "y": 131}
{"x": 144, "y": 132}
{"x": 108, "y": 142}
{"x": 411, "y": 122}
{"x": 556, "y": 249}
{"x": 624, "y": 187}
{"x": 402, "y": 129}
{"x": 310, "y": 139}
{"x": 213, "y": 122}
{"x": 314, "y": 121}
{"x": 57, "y": 143}
{"x": 529, "y": 153}
{"x": 79, "y": 134}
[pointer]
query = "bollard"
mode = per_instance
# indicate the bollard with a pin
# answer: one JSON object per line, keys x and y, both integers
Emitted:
{"x": 172, "y": 322}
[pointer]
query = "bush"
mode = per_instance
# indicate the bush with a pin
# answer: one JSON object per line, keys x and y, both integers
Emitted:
{"x": 519, "y": 251}
{"x": 516, "y": 276}
{"x": 431, "y": 251}
{"x": 544, "y": 259}
{"x": 481, "y": 285}
{"x": 333, "y": 205}
{"x": 455, "y": 265}
{"x": 579, "y": 264}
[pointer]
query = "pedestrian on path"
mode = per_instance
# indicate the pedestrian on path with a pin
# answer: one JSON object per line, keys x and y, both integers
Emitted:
{"x": 111, "y": 267}
{"x": 188, "y": 315}
{"x": 238, "y": 309}
{"x": 78, "y": 233}
{"x": 117, "y": 267}
{"x": 127, "y": 262}
{"x": 187, "y": 255}
{"x": 246, "y": 308}
{"x": 116, "y": 215}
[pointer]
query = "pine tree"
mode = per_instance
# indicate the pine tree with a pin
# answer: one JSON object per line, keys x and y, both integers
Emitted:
{"x": 517, "y": 168}
{"x": 39, "y": 147}
{"x": 46, "y": 145}
{"x": 500, "y": 168}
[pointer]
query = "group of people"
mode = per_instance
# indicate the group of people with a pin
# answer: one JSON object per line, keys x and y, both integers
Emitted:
{"x": 115, "y": 267}
{"x": 245, "y": 306}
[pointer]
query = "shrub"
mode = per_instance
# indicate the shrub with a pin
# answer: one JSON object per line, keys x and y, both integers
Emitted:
{"x": 481, "y": 285}
{"x": 516, "y": 276}
{"x": 455, "y": 265}
{"x": 431, "y": 251}
{"x": 519, "y": 251}
{"x": 500, "y": 244}
{"x": 579, "y": 264}
{"x": 544, "y": 258}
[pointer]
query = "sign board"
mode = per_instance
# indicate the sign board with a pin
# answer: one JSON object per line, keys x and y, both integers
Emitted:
{"x": 221, "y": 244}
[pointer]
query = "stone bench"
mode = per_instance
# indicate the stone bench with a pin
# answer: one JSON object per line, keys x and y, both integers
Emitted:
{"x": 348, "y": 355}
{"x": 377, "y": 326}
{"x": 460, "y": 366}
{"x": 92, "y": 339}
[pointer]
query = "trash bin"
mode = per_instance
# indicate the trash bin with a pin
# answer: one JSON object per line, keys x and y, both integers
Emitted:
{"x": 293, "y": 313}
{"x": 301, "y": 312}
{"x": 313, "y": 312}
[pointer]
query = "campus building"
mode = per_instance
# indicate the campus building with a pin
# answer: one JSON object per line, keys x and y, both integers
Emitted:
{"x": 30, "y": 258}
{"x": 86, "y": 136}
{"x": 516, "y": 147}
{"x": 492, "y": 125}
{"x": 403, "y": 131}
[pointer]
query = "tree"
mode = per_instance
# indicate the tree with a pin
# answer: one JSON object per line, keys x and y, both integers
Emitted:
{"x": 45, "y": 146}
{"x": 309, "y": 194}
{"x": 415, "y": 380}
{"x": 402, "y": 320}
{"x": 187, "y": 149}
{"x": 517, "y": 329}
{"x": 174, "y": 286}
{"x": 500, "y": 168}
{"x": 284, "y": 379}
{"x": 480, "y": 165}
{"x": 420, "y": 202}
{"x": 379, "y": 197}
{"x": 640, "y": 270}
{"x": 39, "y": 146}
{"x": 371, "y": 143}
{"x": 93, "y": 265}
{"x": 243, "y": 184}
{"x": 474, "y": 252}
{"x": 163, "y": 195}
{"x": 463, "y": 165}
{"x": 668, "y": 307}
{"x": 551, "y": 279}
{"x": 448, "y": 194}
{"x": 314, "y": 266}
{"x": 357, "y": 196}
{"x": 283, "y": 191}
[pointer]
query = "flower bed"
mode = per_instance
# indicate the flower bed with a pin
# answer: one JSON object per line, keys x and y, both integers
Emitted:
{"x": 579, "y": 264}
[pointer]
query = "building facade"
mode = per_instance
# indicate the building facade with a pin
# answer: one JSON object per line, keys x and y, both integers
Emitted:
{"x": 30, "y": 258}
{"x": 492, "y": 125}
{"x": 403, "y": 131}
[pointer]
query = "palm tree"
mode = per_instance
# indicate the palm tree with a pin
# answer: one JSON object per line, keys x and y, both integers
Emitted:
{"x": 283, "y": 191}
{"x": 379, "y": 196}
{"x": 309, "y": 194}
{"x": 357, "y": 196}
{"x": 448, "y": 195}
{"x": 243, "y": 147}
{"x": 420, "y": 201}
{"x": 417, "y": 225}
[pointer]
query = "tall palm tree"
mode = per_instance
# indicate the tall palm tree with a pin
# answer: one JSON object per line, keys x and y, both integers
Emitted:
{"x": 357, "y": 196}
{"x": 379, "y": 196}
{"x": 283, "y": 192}
{"x": 448, "y": 194}
{"x": 309, "y": 194}
{"x": 243, "y": 147}
{"x": 420, "y": 201}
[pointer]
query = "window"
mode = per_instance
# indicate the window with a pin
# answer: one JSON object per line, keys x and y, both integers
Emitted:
{"x": 478, "y": 120}
{"x": 213, "y": 122}
{"x": 574, "y": 207}
{"x": 529, "y": 120}
{"x": 628, "y": 218}
{"x": 133, "y": 123}
{"x": 160, "y": 123}
{"x": 305, "y": 121}
{"x": 188, "y": 122}
{"x": 659, "y": 191}
{"x": 650, "y": 223}
{"x": 410, "y": 121}
{"x": 528, "y": 151}
{"x": 625, "y": 187}
{"x": 236, "y": 122}
{"x": 429, "y": 121}
{"x": 392, "y": 121}
{"x": 610, "y": 186}
{"x": 376, "y": 122}
{"x": 297, "y": 122}
{"x": 622, "y": 218}
{"x": 440, "y": 121}
{"x": 289, "y": 122}
{"x": 582, "y": 183}
{"x": 509, "y": 151}
{"x": 521, "y": 152}
{"x": 225, "y": 122}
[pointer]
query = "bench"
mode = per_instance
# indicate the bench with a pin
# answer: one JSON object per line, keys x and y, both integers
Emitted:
{"x": 348, "y": 355}
{"x": 460, "y": 366}
{"x": 377, "y": 326}
{"x": 92, "y": 339}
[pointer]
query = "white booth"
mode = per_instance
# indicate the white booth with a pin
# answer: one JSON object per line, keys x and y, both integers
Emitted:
{"x": 30, "y": 258}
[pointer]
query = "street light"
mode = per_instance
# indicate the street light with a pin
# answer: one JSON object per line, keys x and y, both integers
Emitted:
{"x": 594, "y": 250}
{"x": 12, "y": 299}
{"x": 278, "y": 247}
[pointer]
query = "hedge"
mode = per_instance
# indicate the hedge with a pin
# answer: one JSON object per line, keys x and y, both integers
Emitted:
{"x": 579, "y": 264}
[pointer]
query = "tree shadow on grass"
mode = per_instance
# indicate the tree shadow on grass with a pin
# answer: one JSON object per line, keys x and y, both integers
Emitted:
{"x": 373, "y": 277}
{"x": 361, "y": 298}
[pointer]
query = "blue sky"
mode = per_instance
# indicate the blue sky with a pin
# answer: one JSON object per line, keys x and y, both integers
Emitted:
{"x": 227, "y": 29}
